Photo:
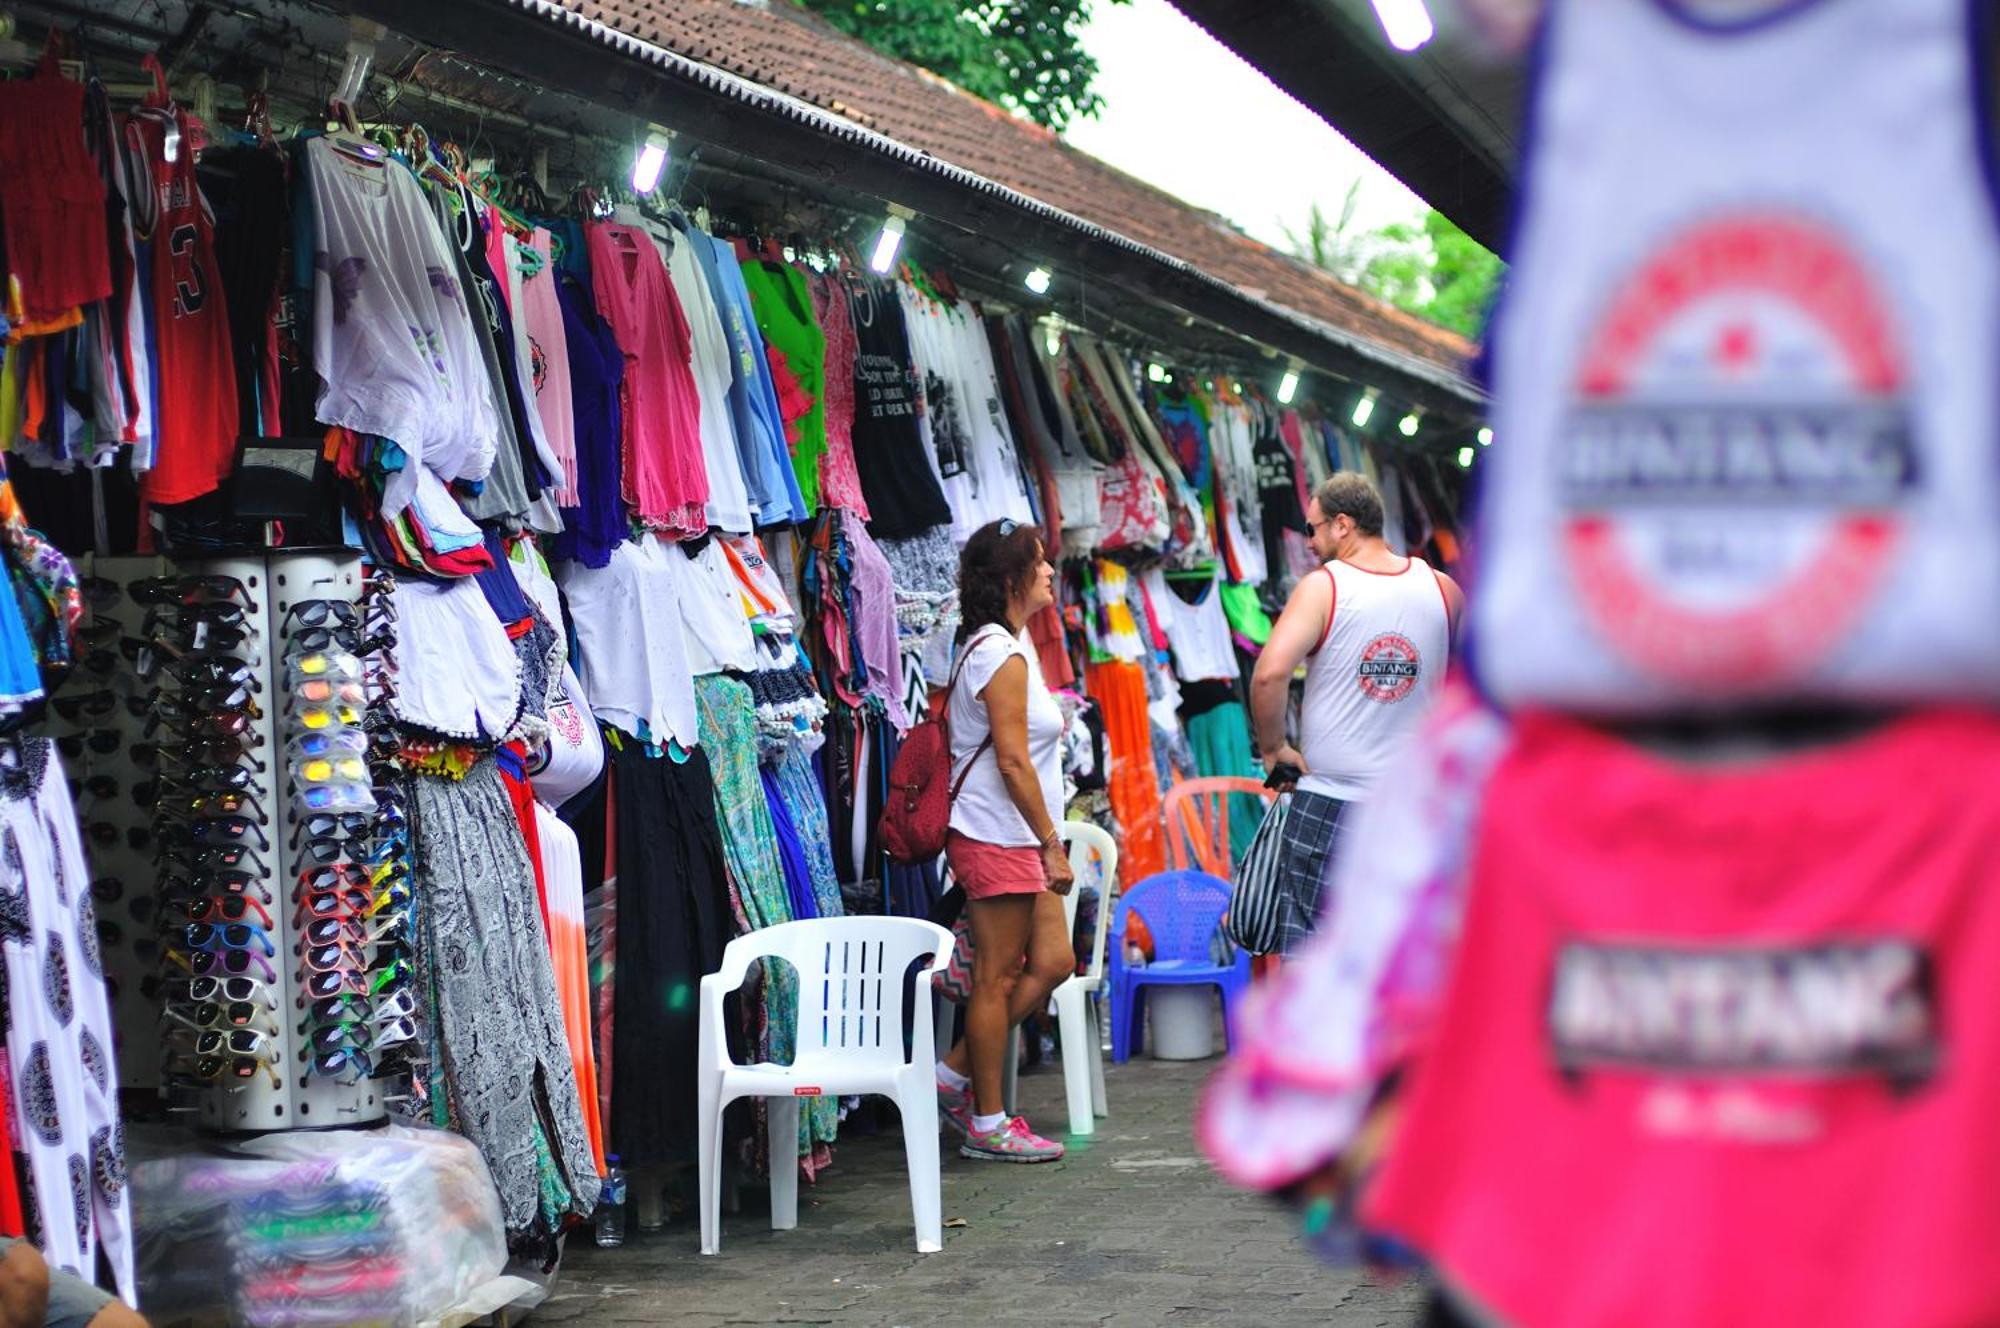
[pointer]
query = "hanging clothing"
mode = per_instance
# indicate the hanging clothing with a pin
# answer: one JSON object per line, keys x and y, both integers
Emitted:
{"x": 1120, "y": 691}
{"x": 503, "y": 493}
{"x": 839, "y": 478}
{"x": 1198, "y": 630}
{"x": 1220, "y": 739}
{"x": 594, "y": 520}
{"x": 710, "y": 369}
{"x": 506, "y": 1056}
{"x": 899, "y": 483}
{"x": 631, "y": 650}
{"x": 53, "y": 207}
{"x": 195, "y": 370}
{"x": 753, "y": 395}
{"x": 542, "y": 321}
{"x": 786, "y": 317}
{"x": 562, "y": 904}
{"x": 1778, "y": 1019}
{"x": 64, "y": 1072}
{"x": 673, "y": 920}
{"x": 665, "y": 479}
{"x": 392, "y": 338}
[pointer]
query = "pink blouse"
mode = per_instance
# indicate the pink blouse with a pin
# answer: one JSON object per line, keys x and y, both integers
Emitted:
{"x": 665, "y": 479}
{"x": 839, "y": 479}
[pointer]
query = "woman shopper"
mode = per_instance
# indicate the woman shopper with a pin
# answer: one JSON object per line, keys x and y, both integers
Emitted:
{"x": 1003, "y": 849}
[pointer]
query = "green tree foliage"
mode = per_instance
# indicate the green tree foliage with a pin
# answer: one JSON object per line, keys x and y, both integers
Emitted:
{"x": 1023, "y": 54}
{"x": 1429, "y": 267}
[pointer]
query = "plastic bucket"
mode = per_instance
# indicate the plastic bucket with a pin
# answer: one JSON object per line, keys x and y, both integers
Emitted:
{"x": 1182, "y": 1022}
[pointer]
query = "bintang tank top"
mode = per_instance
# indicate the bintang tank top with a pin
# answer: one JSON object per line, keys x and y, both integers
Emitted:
{"x": 1373, "y": 673}
{"x": 1746, "y": 416}
{"x": 1721, "y": 1045}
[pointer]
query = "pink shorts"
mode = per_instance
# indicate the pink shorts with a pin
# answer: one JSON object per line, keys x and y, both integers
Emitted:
{"x": 987, "y": 870}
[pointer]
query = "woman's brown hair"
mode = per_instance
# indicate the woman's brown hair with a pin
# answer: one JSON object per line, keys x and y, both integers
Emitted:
{"x": 998, "y": 560}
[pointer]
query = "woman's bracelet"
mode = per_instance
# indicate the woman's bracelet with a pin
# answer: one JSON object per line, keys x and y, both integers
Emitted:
{"x": 1051, "y": 839}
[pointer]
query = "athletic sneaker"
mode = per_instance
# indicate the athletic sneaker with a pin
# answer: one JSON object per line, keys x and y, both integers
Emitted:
{"x": 1011, "y": 1141}
{"x": 955, "y": 1105}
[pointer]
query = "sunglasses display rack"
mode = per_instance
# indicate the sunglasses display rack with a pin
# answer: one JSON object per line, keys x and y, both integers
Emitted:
{"x": 98, "y": 721}
{"x": 275, "y": 912}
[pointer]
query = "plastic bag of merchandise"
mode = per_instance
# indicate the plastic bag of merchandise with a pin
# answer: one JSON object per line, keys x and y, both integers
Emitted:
{"x": 390, "y": 1225}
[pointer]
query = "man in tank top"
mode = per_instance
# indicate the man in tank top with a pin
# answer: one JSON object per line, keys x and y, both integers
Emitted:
{"x": 1373, "y": 629}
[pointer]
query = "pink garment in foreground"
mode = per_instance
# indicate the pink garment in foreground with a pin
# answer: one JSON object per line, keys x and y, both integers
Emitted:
{"x": 1313, "y": 1042}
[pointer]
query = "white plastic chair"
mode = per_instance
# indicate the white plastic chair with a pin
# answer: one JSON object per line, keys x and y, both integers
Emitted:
{"x": 1093, "y": 856}
{"x": 849, "y": 1041}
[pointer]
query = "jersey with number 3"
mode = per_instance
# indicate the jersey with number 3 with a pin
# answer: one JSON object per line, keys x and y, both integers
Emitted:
{"x": 197, "y": 386}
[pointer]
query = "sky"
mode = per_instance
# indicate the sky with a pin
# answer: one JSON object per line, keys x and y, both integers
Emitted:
{"x": 1263, "y": 161}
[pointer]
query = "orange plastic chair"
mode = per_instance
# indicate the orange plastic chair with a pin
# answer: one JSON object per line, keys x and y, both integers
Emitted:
{"x": 1196, "y": 812}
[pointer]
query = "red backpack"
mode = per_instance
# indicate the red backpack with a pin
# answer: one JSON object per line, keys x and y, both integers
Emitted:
{"x": 918, "y": 809}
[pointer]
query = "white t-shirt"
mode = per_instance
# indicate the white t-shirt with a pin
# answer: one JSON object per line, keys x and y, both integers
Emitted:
{"x": 983, "y": 809}
{"x": 631, "y": 651}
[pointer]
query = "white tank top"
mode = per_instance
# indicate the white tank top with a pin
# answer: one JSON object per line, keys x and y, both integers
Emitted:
{"x": 1198, "y": 632}
{"x": 1373, "y": 675}
{"x": 1744, "y": 371}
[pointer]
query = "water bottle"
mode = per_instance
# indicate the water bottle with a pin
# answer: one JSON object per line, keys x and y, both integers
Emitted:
{"x": 609, "y": 1219}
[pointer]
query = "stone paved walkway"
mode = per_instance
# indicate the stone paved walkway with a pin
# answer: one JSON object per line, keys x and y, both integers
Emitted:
{"x": 1131, "y": 1229}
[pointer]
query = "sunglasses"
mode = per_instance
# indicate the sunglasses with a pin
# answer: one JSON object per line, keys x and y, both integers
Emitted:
{"x": 332, "y": 1037}
{"x": 337, "y": 956}
{"x": 393, "y": 976}
{"x": 229, "y": 828}
{"x": 100, "y": 592}
{"x": 228, "y": 803}
{"x": 344, "y": 797}
{"x": 188, "y": 590}
{"x": 95, "y": 704}
{"x": 322, "y": 663}
{"x": 346, "y": 1065}
{"x": 322, "y": 612}
{"x": 228, "y": 989}
{"x": 345, "y": 825}
{"x": 98, "y": 786}
{"x": 209, "y": 1069}
{"x": 227, "y": 908}
{"x": 355, "y": 933}
{"x": 233, "y": 936}
{"x": 221, "y": 1016}
{"x": 101, "y": 741}
{"x": 348, "y": 1008}
{"x": 182, "y": 889}
{"x": 329, "y": 742}
{"x": 324, "y": 770}
{"x": 316, "y": 717}
{"x": 322, "y": 690}
{"x": 229, "y": 963}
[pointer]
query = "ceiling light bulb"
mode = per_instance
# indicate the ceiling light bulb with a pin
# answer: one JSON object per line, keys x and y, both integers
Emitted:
{"x": 1406, "y": 23}
{"x": 1038, "y": 281}
{"x": 1156, "y": 372}
{"x": 886, "y": 244}
{"x": 652, "y": 159}
{"x": 1364, "y": 409}
{"x": 1465, "y": 455}
{"x": 1407, "y": 426}
{"x": 1288, "y": 387}
{"x": 1485, "y": 437}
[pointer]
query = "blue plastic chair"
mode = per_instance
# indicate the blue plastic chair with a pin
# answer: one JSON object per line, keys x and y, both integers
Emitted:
{"x": 1181, "y": 909}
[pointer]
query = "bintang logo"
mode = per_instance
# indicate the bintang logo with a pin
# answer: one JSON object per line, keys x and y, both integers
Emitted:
{"x": 1734, "y": 466}
{"x": 1834, "y": 1009}
{"x": 1389, "y": 667}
